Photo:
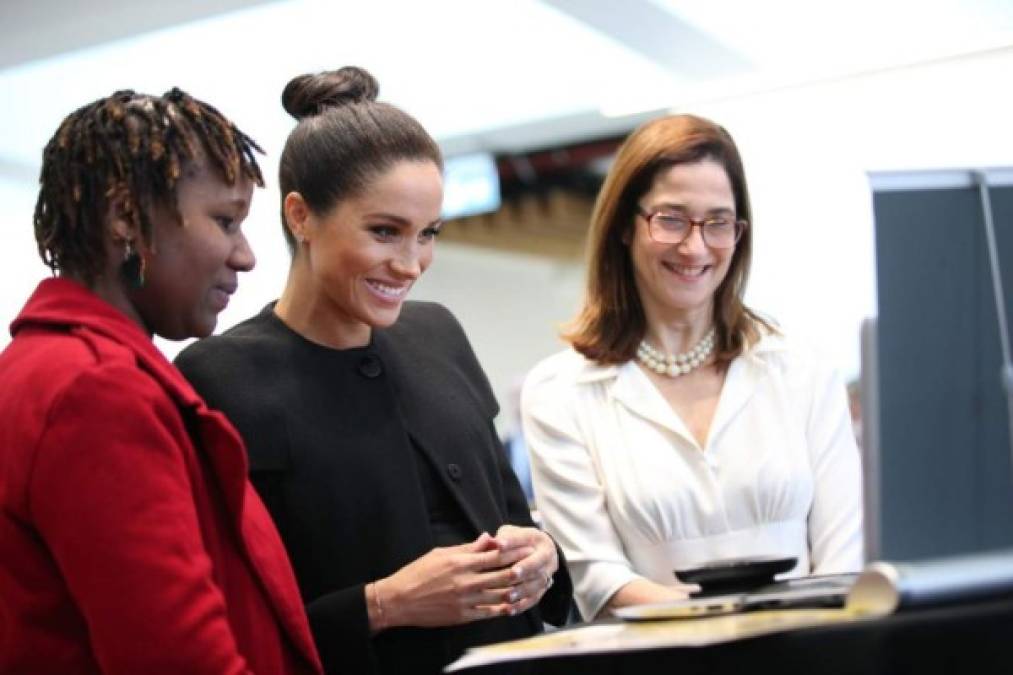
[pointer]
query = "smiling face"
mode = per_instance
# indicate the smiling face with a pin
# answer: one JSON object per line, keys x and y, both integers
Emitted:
{"x": 678, "y": 281}
{"x": 192, "y": 266}
{"x": 367, "y": 251}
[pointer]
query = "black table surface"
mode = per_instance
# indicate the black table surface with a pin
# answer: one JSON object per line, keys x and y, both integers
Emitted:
{"x": 974, "y": 637}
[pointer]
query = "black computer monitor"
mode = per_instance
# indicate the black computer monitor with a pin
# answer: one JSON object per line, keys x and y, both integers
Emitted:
{"x": 936, "y": 429}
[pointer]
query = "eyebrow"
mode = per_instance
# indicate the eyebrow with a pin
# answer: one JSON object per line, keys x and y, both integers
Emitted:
{"x": 682, "y": 207}
{"x": 238, "y": 203}
{"x": 399, "y": 219}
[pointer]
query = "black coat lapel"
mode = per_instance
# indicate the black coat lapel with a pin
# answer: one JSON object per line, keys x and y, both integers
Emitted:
{"x": 449, "y": 426}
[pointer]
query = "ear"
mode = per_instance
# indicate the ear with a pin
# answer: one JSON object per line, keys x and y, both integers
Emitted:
{"x": 120, "y": 208}
{"x": 297, "y": 216}
{"x": 626, "y": 236}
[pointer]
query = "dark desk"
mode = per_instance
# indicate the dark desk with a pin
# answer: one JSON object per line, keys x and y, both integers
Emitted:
{"x": 967, "y": 638}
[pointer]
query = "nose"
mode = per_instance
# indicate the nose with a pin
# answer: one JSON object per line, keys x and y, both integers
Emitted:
{"x": 694, "y": 243}
{"x": 408, "y": 264}
{"x": 242, "y": 258}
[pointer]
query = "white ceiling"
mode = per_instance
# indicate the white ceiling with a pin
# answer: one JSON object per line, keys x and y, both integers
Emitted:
{"x": 480, "y": 74}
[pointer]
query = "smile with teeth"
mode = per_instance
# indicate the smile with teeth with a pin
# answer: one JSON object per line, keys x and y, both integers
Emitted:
{"x": 688, "y": 270}
{"x": 389, "y": 292}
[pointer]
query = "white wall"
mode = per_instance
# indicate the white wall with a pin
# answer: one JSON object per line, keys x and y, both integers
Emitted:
{"x": 807, "y": 151}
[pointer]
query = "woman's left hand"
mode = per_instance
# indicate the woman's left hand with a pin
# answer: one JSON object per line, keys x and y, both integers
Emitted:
{"x": 532, "y": 574}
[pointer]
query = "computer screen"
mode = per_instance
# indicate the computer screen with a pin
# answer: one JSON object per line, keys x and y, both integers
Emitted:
{"x": 936, "y": 424}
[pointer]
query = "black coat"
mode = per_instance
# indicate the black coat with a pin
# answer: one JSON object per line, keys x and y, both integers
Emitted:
{"x": 335, "y": 438}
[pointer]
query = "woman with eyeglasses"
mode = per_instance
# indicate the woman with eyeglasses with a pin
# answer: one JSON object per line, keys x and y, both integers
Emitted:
{"x": 681, "y": 428}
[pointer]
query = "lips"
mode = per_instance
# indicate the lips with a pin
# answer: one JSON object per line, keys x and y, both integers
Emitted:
{"x": 688, "y": 272}
{"x": 391, "y": 292}
{"x": 220, "y": 294}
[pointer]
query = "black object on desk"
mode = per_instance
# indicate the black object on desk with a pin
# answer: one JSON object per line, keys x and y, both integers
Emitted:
{"x": 735, "y": 575}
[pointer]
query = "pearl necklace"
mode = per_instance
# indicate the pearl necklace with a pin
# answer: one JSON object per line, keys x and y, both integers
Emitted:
{"x": 674, "y": 365}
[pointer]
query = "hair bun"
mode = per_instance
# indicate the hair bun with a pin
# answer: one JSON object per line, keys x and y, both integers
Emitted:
{"x": 309, "y": 95}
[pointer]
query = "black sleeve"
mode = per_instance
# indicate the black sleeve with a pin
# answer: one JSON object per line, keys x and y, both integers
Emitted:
{"x": 342, "y": 617}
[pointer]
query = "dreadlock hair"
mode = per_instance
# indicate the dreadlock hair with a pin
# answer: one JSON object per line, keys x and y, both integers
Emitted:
{"x": 135, "y": 147}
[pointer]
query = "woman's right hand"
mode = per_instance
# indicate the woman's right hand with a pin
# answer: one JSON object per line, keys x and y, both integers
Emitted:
{"x": 447, "y": 586}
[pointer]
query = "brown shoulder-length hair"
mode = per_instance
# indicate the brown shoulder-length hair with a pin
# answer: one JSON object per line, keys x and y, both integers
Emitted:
{"x": 611, "y": 323}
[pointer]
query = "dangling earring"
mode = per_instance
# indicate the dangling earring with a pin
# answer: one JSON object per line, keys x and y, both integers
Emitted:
{"x": 132, "y": 267}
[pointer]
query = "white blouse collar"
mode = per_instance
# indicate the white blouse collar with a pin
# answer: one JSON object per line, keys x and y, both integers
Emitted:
{"x": 631, "y": 387}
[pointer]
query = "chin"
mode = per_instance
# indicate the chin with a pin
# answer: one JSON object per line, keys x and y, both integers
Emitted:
{"x": 384, "y": 318}
{"x": 201, "y": 328}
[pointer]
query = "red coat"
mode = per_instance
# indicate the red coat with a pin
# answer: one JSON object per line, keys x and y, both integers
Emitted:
{"x": 126, "y": 546}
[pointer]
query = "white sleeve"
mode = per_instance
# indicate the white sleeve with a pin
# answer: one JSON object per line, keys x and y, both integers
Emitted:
{"x": 835, "y": 521}
{"x": 569, "y": 494}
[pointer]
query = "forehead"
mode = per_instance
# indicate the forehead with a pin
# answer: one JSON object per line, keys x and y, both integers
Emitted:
{"x": 201, "y": 180}
{"x": 691, "y": 183}
{"x": 410, "y": 188}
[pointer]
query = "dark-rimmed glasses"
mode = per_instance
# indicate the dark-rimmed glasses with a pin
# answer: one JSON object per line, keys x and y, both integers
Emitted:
{"x": 672, "y": 227}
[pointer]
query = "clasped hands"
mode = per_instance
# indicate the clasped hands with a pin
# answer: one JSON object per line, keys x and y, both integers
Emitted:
{"x": 500, "y": 575}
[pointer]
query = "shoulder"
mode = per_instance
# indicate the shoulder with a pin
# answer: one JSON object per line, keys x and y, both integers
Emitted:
{"x": 426, "y": 320}
{"x": 562, "y": 368}
{"x": 429, "y": 348}
{"x": 47, "y": 362}
{"x": 429, "y": 331}
{"x": 102, "y": 393}
{"x": 252, "y": 340}
{"x": 563, "y": 376}
{"x": 792, "y": 359}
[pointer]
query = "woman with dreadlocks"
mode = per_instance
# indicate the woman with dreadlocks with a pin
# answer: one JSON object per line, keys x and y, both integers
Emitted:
{"x": 130, "y": 539}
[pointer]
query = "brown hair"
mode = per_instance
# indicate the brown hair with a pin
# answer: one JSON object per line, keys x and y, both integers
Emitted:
{"x": 344, "y": 138}
{"x": 611, "y": 322}
{"x": 133, "y": 141}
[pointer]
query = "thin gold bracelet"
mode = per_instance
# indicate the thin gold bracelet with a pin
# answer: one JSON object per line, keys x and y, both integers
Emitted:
{"x": 381, "y": 624}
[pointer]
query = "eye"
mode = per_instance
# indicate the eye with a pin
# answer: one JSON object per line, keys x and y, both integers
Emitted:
{"x": 384, "y": 232}
{"x": 720, "y": 224}
{"x": 671, "y": 221}
{"x": 429, "y": 234}
{"x": 227, "y": 223}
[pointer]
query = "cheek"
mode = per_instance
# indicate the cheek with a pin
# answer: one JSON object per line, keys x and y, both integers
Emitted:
{"x": 726, "y": 262}
{"x": 339, "y": 264}
{"x": 643, "y": 256}
{"x": 426, "y": 258}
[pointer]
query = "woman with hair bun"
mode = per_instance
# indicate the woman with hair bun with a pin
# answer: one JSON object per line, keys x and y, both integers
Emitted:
{"x": 368, "y": 418}
{"x": 131, "y": 540}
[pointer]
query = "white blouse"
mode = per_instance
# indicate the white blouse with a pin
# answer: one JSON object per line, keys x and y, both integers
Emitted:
{"x": 627, "y": 492}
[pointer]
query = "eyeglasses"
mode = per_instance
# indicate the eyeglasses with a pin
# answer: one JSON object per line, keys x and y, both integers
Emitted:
{"x": 670, "y": 227}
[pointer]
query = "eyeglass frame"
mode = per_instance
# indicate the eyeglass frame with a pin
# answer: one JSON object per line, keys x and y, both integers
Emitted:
{"x": 740, "y": 227}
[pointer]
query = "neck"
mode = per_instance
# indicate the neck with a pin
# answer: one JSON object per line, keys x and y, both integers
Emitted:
{"x": 111, "y": 289}
{"x": 680, "y": 332}
{"x": 307, "y": 310}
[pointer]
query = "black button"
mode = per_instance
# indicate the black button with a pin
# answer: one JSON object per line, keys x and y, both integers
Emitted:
{"x": 370, "y": 366}
{"x": 454, "y": 471}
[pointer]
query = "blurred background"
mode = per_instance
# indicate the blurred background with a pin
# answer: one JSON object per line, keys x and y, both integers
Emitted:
{"x": 529, "y": 99}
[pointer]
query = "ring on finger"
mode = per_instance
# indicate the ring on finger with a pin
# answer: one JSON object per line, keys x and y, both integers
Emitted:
{"x": 548, "y": 581}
